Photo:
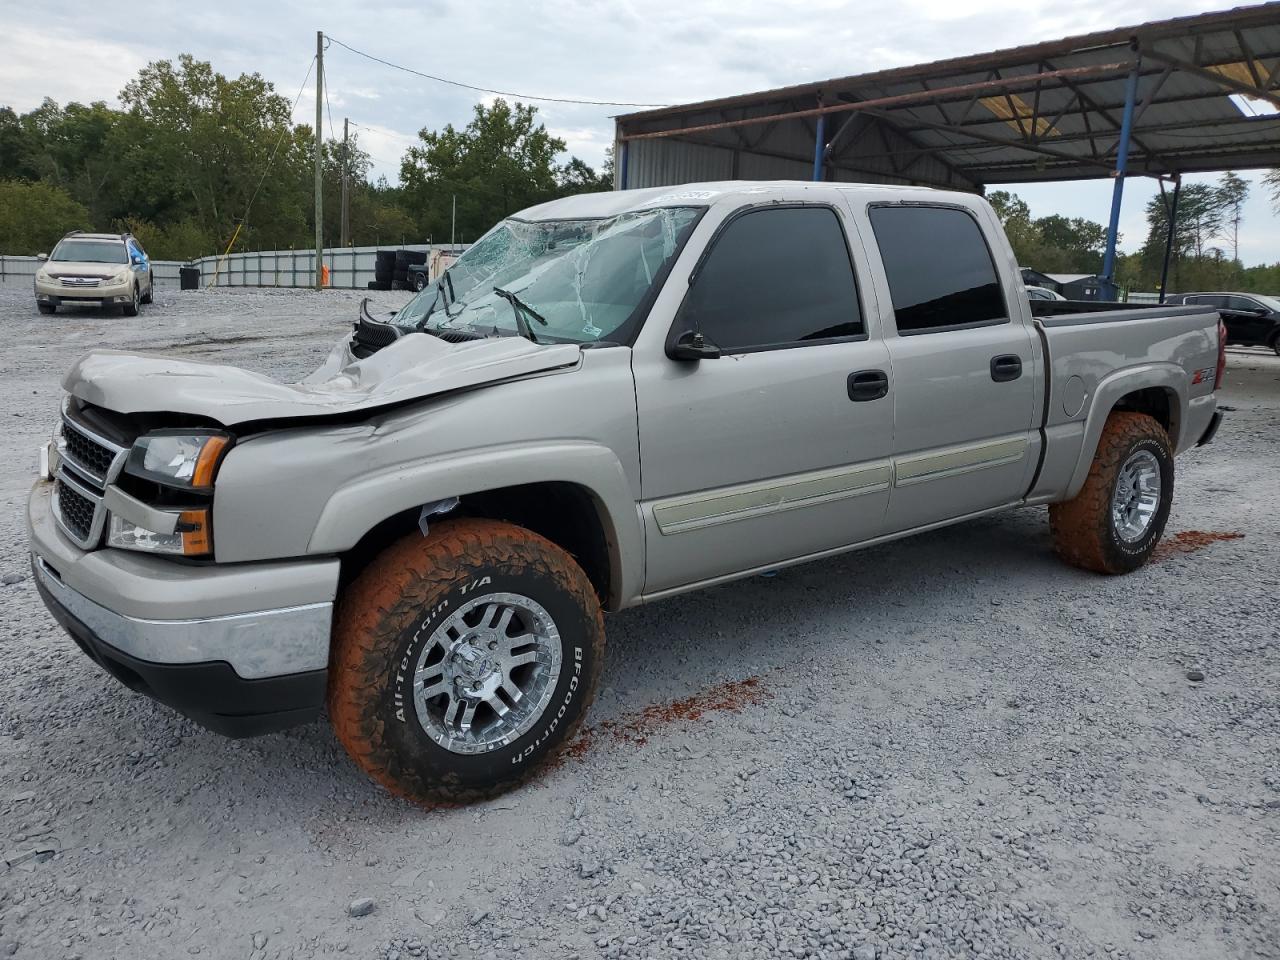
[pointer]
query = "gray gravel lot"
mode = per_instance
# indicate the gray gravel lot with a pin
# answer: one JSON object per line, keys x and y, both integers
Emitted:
{"x": 956, "y": 747}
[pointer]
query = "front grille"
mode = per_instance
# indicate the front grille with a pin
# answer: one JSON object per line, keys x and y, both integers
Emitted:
{"x": 75, "y": 510}
{"x": 81, "y": 281}
{"x": 85, "y": 452}
{"x": 371, "y": 336}
{"x": 91, "y": 454}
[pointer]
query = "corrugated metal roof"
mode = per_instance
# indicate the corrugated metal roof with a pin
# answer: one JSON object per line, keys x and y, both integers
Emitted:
{"x": 1047, "y": 111}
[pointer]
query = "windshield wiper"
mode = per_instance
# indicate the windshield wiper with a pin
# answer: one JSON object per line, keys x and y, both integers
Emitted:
{"x": 521, "y": 308}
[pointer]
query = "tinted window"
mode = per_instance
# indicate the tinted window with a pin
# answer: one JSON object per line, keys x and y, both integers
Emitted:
{"x": 1242, "y": 303}
{"x": 775, "y": 277}
{"x": 940, "y": 270}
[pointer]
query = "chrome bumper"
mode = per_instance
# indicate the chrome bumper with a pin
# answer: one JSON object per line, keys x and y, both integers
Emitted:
{"x": 264, "y": 643}
{"x": 265, "y": 620}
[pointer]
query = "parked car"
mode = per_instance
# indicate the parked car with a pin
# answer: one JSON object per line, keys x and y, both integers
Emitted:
{"x": 1252, "y": 320}
{"x": 610, "y": 399}
{"x": 1042, "y": 293}
{"x": 108, "y": 269}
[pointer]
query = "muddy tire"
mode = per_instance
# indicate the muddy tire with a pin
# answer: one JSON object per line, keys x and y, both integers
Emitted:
{"x": 482, "y": 616}
{"x": 1114, "y": 523}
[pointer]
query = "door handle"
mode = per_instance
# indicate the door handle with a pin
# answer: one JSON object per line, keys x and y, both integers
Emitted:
{"x": 868, "y": 385}
{"x": 1006, "y": 367}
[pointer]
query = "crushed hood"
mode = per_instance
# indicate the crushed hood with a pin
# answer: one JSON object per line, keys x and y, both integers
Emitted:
{"x": 412, "y": 368}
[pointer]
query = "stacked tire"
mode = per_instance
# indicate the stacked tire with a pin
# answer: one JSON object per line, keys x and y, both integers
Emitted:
{"x": 384, "y": 266}
{"x": 404, "y": 260}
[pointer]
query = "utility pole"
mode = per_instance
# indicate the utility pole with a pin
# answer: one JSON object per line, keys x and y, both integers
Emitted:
{"x": 345, "y": 218}
{"x": 319, "y": 147}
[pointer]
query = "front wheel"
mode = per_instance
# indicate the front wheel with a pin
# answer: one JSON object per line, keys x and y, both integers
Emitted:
{"x": 1114, "y": 523}
{"x": 464, "y": 660}
{"x": 47, "y": 307}
{"x": 420, "y": 282}
{"x": 1275, "y": 345}
{"x": 130, "y": 309}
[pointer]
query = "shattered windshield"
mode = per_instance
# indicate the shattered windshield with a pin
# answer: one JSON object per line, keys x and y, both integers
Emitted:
{"x": 563, "y": 281}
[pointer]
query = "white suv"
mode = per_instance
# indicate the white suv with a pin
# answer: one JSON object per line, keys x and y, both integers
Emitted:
{"x": 106, "y": 268}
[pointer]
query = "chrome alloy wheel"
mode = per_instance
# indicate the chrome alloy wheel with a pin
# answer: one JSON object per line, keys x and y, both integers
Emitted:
{"x": 1137, "y": 496}
{"x": 487, "y": 673}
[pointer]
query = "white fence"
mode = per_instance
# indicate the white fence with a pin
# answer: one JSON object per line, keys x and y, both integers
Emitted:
{"x": 349, "y": 267}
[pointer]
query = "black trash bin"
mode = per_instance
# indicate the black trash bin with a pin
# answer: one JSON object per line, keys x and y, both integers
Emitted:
{"x": 189, "y": 278}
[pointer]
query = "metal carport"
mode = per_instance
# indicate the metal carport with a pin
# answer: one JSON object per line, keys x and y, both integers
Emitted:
{"x": 1161, "y": 99}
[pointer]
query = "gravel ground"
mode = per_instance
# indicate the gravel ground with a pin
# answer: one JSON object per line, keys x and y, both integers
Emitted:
{"x": 952, "y": 746}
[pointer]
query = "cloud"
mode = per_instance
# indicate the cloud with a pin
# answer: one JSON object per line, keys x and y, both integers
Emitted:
{"x": 658, "y": 51}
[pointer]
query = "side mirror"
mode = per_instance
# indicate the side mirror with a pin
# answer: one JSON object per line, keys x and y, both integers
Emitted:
{"x": 692, "y": 345}
{"x": 42, "y": 257}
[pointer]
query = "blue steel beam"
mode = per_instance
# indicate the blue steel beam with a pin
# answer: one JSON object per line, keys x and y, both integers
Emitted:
{"x": 820, "y": 147}
{"x": 1122, "y": 164}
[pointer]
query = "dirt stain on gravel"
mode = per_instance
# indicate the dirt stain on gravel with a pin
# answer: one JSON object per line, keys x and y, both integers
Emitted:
{"x": 636, "y": 728}
{"x": 1189, "y": 541}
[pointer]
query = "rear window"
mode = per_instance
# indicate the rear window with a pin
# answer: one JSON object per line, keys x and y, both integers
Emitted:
{"x": 91, "y": 251}
{"x": 939, "y": 268}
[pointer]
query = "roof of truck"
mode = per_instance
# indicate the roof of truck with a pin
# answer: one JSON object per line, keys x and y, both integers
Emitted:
{"x": 612, "y": 203}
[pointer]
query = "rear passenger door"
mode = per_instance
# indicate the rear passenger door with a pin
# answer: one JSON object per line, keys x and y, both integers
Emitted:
{"x": 1251, "y": 327}
{"x": 965, "y": 400}
{"x": 779, "y": 448}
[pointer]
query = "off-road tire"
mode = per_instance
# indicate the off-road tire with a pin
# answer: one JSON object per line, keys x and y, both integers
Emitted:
{"x": 388, "y": 612}
{"x": 47, "y": 307}
{"x": 130, "y": 309}
{"x": 1084, "y": 534}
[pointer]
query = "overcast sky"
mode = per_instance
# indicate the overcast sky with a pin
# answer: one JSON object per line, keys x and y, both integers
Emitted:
{"x": 659, "y": 51}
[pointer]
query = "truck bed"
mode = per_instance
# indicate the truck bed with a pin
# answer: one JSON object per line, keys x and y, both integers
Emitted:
{"x": 1059, "y": 313}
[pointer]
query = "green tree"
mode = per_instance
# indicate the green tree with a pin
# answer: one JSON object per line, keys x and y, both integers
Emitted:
{"x": 502, "y": 161}
{"x": 1052, "y": 244}
{"x": 34, "y": 216}
{"x": 208, "y": 142}
{"x": 1272, "y": 180}
{"x": 1233, "y": 190}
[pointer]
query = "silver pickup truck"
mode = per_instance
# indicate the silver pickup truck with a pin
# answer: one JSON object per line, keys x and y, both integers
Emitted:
{"x": 609, "y": 399}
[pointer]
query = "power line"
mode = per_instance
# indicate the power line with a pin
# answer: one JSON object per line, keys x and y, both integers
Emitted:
{"x": 500, "y": 93}
{"x": 285, "y": 131}
{"x": 325, "y": 81}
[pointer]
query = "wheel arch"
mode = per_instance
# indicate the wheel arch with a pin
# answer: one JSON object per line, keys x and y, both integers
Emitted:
{"x": 577, "y": 498}
{"x": 1158, "y": 390}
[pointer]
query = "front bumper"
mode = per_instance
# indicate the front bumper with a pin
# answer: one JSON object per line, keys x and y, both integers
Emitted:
{"x": 54, "y": 292}
{"x": 241, "y": 649}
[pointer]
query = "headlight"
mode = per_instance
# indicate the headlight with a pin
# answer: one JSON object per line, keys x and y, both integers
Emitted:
{"x": 42, "y": 274}
{"x": 190, "y": 537}
{"x": 121, "y": 275}
{"x": 178, "y": 459}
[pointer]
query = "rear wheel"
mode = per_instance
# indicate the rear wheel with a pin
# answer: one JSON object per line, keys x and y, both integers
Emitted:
{"x": 419, "y": 281}
{"x": 464, "y": 660}
{"x": 1114, "y": 523}
{"x": 1275, "y": 344}
{"x": 149, "y": 296}
{"x": 47, "y": 307}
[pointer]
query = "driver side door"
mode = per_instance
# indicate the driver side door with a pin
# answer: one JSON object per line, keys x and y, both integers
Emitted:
{"x": 779, "y": 448}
